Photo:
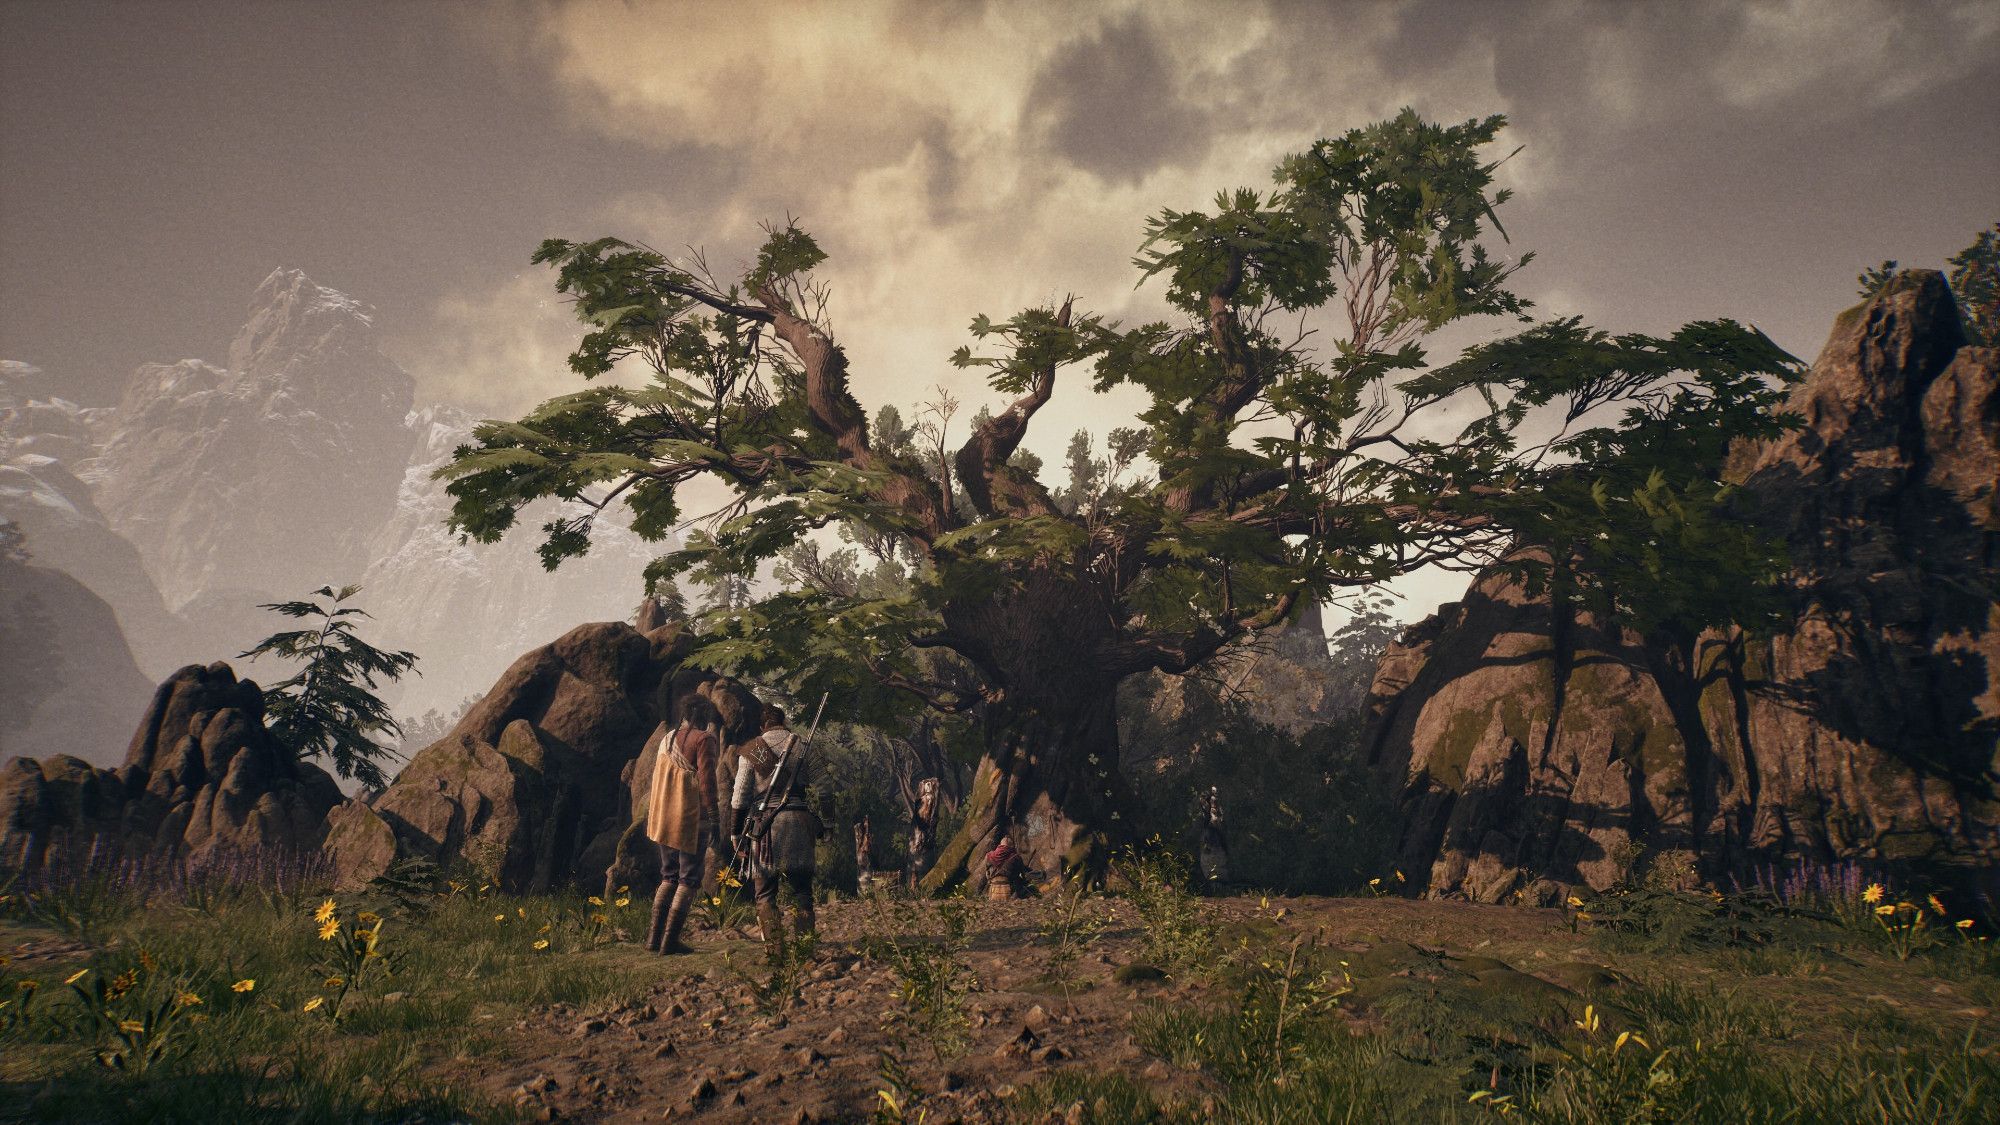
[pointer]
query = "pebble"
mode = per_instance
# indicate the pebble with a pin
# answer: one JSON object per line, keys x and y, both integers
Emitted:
{"x": 588, "y": 1028}
{"x": 702, "y": 1090}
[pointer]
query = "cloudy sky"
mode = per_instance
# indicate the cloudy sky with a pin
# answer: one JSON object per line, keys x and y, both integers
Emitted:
{"x": 1678, "y": 160}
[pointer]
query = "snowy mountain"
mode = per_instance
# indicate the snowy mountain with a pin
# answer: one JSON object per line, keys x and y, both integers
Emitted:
{"x": 210, "y": 489}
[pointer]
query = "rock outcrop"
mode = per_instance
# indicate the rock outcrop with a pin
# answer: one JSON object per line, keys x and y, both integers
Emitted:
{"x": 1542, "y": 750}
{"x": 202, "y": 779}
{"x": 533, "y": 786}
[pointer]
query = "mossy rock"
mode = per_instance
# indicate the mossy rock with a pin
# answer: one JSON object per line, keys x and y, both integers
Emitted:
{"x": 1138, "y": 973}
{"x": 1516, "y": 996}
{"x": 1394, "y": 957}
{"x": 1583, "y": 978}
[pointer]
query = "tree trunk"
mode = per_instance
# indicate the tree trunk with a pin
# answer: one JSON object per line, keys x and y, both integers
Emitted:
{"x": 1049, "y": 781}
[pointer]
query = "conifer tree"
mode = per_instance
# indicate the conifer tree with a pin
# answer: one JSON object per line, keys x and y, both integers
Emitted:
{"x": 328, "y": 708}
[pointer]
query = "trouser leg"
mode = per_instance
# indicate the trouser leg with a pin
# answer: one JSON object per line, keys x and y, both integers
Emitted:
{"x": 765, "y": 885}
{"x": 801, "y": 883}
{"x": 656, "y": 927}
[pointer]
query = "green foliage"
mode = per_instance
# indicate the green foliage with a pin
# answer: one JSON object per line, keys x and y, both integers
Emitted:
{"x": 1659, "y": 920}
{"x": 1174, "y": 932}
{"x": 328, "y": 708}
{"x": 775, "y": 987}
{"x": 1282, "y": 469}
{"x": 1072, "y": 922}
{"x": 1874, "y": 279}
{"x": 1975, "y": 278}
{"x": 924, "y": 947}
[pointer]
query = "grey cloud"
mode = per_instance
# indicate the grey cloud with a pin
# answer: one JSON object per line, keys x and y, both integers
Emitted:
{"x": 1111, "y": 105}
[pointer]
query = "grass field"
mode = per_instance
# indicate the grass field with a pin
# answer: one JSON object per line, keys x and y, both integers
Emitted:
{"x": 433, "y": 1001}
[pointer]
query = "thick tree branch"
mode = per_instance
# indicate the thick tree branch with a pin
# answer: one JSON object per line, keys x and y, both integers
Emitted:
{"x": 836, "y": 413}
{"x": 994, "y": 486}
{"x": 1177, "y": 653}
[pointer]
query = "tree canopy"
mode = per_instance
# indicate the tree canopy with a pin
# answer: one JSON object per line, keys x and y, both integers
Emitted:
{"x": 1298, "y": 443}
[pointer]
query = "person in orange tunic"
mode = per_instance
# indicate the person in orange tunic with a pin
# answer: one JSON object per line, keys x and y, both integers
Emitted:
{"x": 683, "y": 790}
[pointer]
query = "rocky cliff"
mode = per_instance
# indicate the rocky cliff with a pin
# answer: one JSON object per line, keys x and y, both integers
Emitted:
{"x": 202, "y": 778}
{"x": 45, "y": 442}
{"x": 68, "y": 684}
{"x": 1541, "y": 750}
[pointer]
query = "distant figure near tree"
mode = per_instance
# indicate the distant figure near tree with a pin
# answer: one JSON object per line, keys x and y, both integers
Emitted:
{"x": 864, "y": 847}
{"x": 1004, "y": 870}
{"x": 1214, "y": 855}
{"x": 923, "y": 827}
{"x": 682, "y": 791}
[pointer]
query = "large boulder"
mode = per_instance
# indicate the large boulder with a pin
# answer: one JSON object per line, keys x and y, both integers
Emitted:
{"x": 202, "y": 780}
{"x": 535, "y": 786}
{"x": 1541, "y": 750}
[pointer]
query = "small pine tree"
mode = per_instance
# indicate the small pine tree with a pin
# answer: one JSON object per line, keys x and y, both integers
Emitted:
{"x": 1975, "y": 277}
{"x": 329, "y": 708}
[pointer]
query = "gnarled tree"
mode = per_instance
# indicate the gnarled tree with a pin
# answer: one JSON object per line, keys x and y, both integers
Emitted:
{"x": 1278, "y": 470}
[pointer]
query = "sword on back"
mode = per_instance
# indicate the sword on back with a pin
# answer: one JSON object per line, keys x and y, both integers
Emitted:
{"x": 767, "y": 806}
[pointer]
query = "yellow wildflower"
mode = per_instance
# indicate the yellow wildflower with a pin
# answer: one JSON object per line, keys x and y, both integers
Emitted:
{"x": 367, "y": 917}
{"x": 595, "y": 901}
{"x": 335, "y": 982}
{"x": 1872, "y": 894}
{"x": 1963, "y": 923}
{"x": 186, "y": 1000}
{"x": 622, "y": 902}
{"x": 1936, "y": 905}
{"x": 499, "y": 917}
{"x": 542, "y": 943}
{"x": 329, "y": 928}
{"x": 147, "y": 962}
{"x": 623, "y": 890}
{"x": 131, "y": 1025}
{"x": 546, "y": 927}
{"x": 313, "y": 1004}
{"x": 1575, "y": 901}
{"x": 1399, "y": 876}
{"x": 1375, "y": 882}
{"x": 1885, "y": 908}
{"x": 243, "y": 985}
{"x": 324, "y": 912}
{"x": 521, "y": 910}
{"x": 122, "y": 983}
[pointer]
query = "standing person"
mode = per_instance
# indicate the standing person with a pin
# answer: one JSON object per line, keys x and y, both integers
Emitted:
{"x": 1214, "y": 845}
{"x": 683, "y": 789}
{"x": 923, "y": 828}
{"x": 773, "y": 774}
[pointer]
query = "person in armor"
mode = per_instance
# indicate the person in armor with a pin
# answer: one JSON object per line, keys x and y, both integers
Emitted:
{"x": 771, "y": 777}
{"x": 683, "y": 789}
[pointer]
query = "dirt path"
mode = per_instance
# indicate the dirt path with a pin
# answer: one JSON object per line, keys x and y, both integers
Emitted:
{"x": 697, "y": 1047}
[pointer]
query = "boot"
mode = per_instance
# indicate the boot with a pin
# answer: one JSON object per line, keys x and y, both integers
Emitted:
{"x": 802, "y": 918}
{"x": 677, "y": 916}
{"x": 770, "y": 922}
{"x": 656, "y": 929}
